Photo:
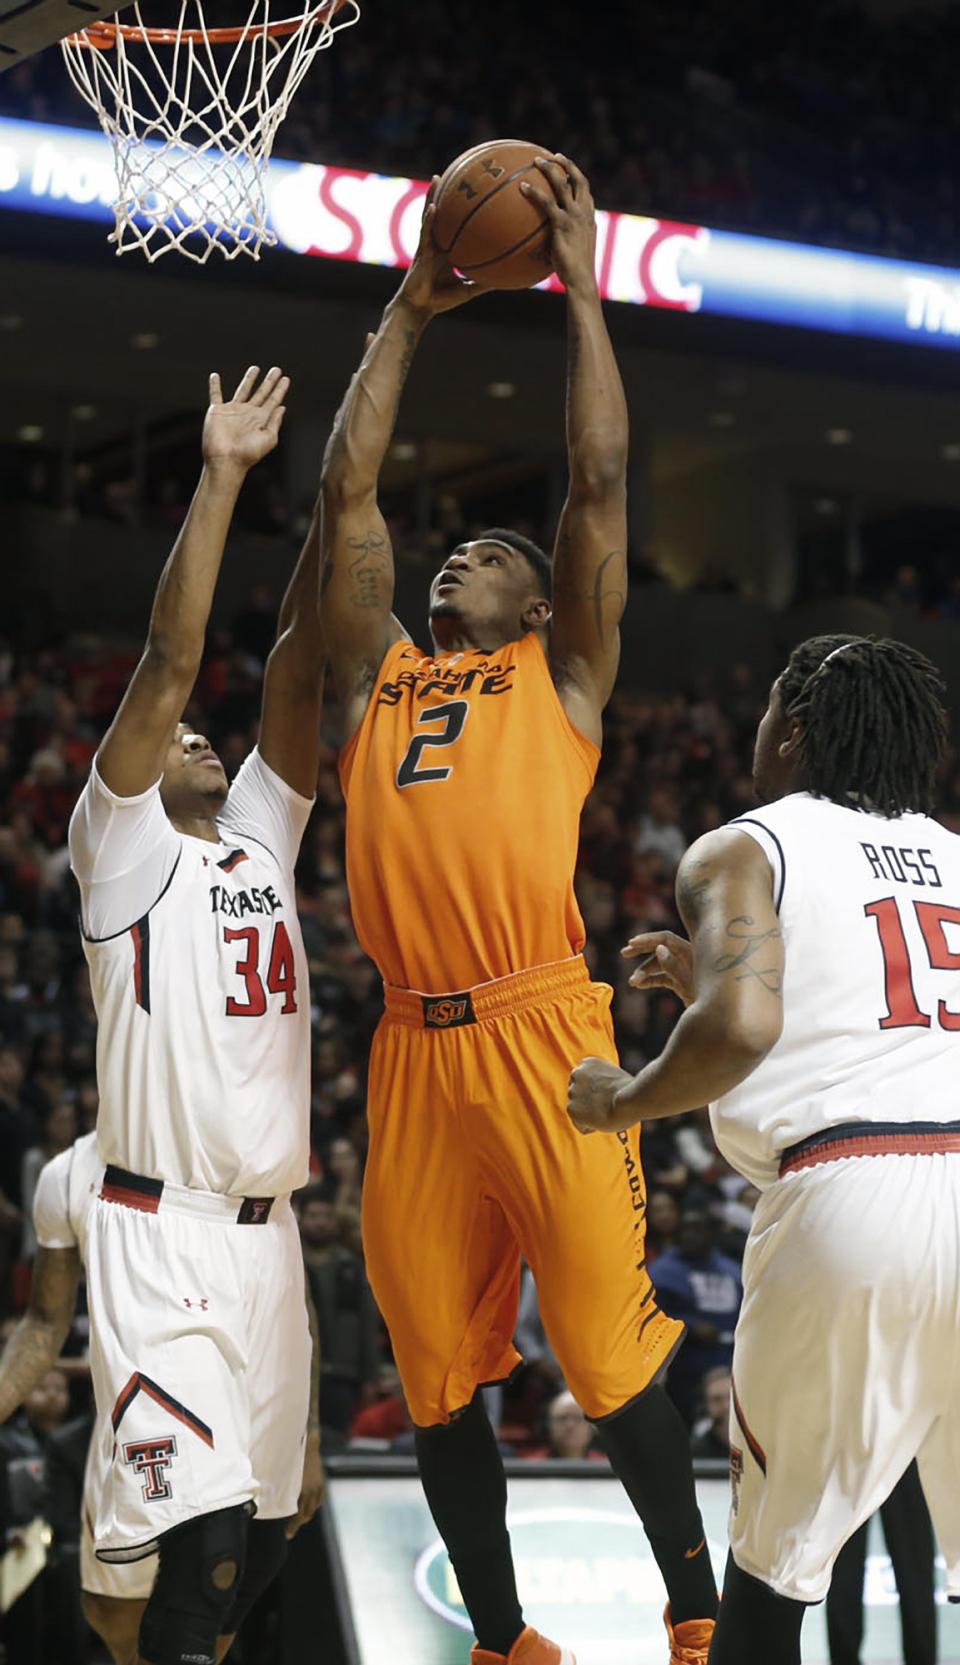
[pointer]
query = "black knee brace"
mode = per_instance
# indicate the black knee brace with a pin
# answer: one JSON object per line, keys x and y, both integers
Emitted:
{"x": 266, "y": 1552}
{"x": 201, "y": 1566}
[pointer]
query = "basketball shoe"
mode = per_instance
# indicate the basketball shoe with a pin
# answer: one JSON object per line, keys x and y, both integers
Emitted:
{"x": 689, "y": 1641}
{"x": 530, "y": 1648}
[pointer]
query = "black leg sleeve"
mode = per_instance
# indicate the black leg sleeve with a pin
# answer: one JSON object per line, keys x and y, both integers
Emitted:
{"x": 909, "y": 1536}
{"x": 755, "y": 1626}
{"x": 845, "y": 1601}
{"x": 649, "y": 1447}
{"x": 466, "y": 1490}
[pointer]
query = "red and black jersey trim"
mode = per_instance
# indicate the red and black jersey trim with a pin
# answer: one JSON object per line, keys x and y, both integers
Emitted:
{"x": 139, "y": 1383}
{"x": 871, "y": 1139}
{"x": 132, "y": 1190}
{"x": 233, "y": 860}
{"x": 753, "y": 1444}
{"x": 140, "y": 932}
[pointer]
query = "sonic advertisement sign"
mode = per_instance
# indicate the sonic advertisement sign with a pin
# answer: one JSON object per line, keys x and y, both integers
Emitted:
{"x": 343, "y": 214}
{"x": 585, "y": 1573}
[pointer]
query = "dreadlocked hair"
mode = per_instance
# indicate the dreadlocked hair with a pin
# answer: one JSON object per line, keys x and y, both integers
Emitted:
{"x": 874, "y": 726}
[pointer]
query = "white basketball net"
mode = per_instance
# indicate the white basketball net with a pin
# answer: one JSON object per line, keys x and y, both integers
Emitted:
{"x": 192, "y": 121}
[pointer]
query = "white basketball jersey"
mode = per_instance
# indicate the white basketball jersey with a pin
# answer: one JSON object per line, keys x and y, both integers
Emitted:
{"x": 65, "y": 1195}
{"x": 870, "y": 915}
{"x": 201, "y": 986}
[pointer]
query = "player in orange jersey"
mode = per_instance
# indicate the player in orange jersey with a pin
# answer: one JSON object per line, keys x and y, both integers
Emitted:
{"x": 465, "y": 770}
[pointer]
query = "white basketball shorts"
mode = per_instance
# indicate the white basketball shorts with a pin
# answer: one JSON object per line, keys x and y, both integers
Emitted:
{"x": 200, "y": 1354}
{"x": 846, "y": 1362}
{"x": 131, "y": 1580}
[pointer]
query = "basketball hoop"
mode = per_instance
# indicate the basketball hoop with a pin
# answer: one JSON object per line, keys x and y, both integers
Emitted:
{"x": 192, "y": 113}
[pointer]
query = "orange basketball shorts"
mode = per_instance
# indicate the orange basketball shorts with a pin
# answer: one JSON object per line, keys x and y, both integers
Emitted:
{"x": 473, "y": 1163}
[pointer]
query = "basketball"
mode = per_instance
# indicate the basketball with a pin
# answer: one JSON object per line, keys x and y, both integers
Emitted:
{"x": 493, "y": 234}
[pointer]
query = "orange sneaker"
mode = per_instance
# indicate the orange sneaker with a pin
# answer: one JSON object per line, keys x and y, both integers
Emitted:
{"x": 689, "y": 1641}
{"x": 530, "y": 1648}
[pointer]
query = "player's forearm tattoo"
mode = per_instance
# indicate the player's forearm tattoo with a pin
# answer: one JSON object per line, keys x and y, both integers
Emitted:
{"x": 31, "y": 1351}
{"x": 751, "y": 942}
{"x": 371, "y": 564}
{"x": 403, "y": 368}
{"x": 693, "y": 882}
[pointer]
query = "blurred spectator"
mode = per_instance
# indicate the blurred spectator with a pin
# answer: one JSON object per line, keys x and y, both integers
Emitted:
{"x": 696, "y": 1283}
{"x": 347, "y": 1318}
{"x": 569, "y": 1434}
{"x": 711, "y": 1434}
{"x": 386, "y": 1417}
{"x": 663, "y": 1223}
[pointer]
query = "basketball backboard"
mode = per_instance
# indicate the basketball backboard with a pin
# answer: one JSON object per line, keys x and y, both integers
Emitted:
{"x": 27, "y": 26}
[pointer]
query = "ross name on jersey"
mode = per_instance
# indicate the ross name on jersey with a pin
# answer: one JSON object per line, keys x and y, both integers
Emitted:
{"x": 236, "y": 903}
{"x": 902, "y": 864}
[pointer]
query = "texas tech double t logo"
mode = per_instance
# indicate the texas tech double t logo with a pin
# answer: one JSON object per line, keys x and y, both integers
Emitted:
{"x": 152, "y": 1458}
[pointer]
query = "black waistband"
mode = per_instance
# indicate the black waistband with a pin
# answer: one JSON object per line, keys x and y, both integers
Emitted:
{"x": 144, "y": 1193}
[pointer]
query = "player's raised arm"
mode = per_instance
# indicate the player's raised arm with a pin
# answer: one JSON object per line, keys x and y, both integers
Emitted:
{"x": 590, "y": 559}
{"x": 357, "y": 576}
{"x": 725, "y": 895}
{"x": 293, "y": 678}
{"x": 36, "y": 1342}
{"x": 236, "y": 434}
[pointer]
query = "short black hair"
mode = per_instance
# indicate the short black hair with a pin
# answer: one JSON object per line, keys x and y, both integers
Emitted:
{"x": 874, "y": 726}
{"x": 538, "y": 559}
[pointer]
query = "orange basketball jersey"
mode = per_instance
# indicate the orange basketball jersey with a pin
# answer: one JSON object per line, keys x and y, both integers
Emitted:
{"x": 464, "y": 785}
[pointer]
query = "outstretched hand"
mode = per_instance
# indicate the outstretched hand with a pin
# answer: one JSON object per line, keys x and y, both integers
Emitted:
{"x": 239, "y": 431}
{"x": 431, "y": 284}
{"x": 566, "y": 199}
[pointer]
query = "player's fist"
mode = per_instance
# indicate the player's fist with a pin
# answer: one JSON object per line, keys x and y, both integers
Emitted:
{"x": 591, "y": 1096}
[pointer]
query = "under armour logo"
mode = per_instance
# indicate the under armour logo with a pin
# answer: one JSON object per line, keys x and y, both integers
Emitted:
{"x": 203, "y": 1303}
{"x": 152, "y": 1458}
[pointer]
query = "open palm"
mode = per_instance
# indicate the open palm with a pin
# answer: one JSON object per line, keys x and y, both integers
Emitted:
{"x": 241, "y": 430}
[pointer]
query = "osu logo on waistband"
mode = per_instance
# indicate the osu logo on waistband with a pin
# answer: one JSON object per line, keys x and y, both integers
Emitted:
{"x": 447, "y": 1011}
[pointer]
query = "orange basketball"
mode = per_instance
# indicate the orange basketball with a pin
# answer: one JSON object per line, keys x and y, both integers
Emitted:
{"x": 492, "y": 232}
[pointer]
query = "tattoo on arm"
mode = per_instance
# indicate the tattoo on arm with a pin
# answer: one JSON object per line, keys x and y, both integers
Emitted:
{"x": 601, "y": 596}
{"x": 371, "y": 561}
{"x": 750, "y": 943}
{"x": 403, "y": 369}
{"x": 693, "y": 882}
{"x": 596, "y": 598}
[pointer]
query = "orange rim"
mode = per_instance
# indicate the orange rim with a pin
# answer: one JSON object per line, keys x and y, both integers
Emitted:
{"x": 103, "y": 36}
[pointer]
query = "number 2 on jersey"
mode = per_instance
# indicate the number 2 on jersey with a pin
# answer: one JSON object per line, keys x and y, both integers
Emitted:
{"x": 902, "y": 1009}
{"x": 453, "y": 715}
{"x": 281, "y": 976}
